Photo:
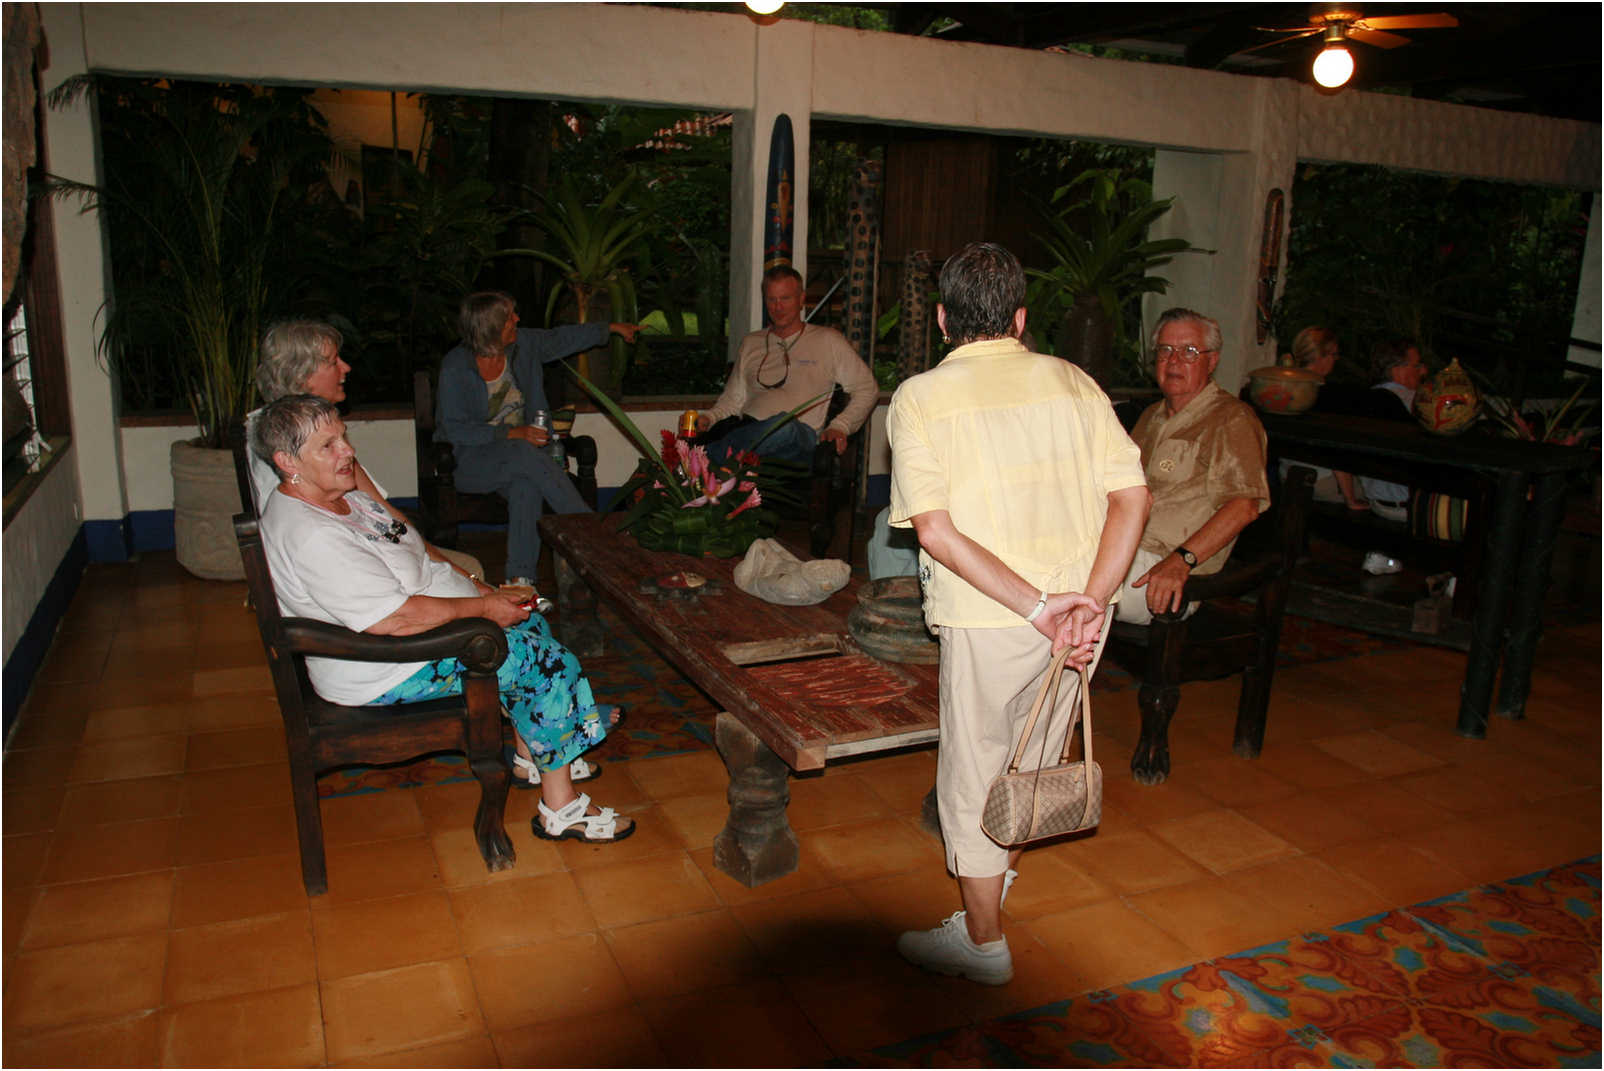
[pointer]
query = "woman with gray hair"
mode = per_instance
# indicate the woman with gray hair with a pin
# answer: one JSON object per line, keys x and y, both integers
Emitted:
{"x": 338, "y": 555}
{"x": 490, "y": 390}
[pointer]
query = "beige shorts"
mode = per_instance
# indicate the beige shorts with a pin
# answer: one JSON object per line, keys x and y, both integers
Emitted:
{"x": 989, "y": 678}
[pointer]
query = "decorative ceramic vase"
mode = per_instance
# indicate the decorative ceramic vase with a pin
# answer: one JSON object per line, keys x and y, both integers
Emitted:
{"x": 1448, "y": 402}
{"x": 1282, "y": 390}
{"x": 889, "y": 622}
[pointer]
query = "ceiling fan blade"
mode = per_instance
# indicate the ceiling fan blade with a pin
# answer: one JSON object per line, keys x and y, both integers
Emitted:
{"x": 1378, "y": 38}
{"x": 1292, "y": 35}
{"x": 1439, "y": 20}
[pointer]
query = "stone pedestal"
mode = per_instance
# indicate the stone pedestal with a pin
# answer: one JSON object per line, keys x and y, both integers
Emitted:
{"x": 757, "y": 844}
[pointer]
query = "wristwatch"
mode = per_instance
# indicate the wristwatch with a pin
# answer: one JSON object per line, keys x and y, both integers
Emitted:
{"x": 1187, "y": 556}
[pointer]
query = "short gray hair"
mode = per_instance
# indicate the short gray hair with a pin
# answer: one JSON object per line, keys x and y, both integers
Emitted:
{"x": 286, "y": 424}
{"x": 982, "y": 287}
{"x": 291, "y": 352}
{"x": 1212, "y": 339}
{"x": 481, "y": 318}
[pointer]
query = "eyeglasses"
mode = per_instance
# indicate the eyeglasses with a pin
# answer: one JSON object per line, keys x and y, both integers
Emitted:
{"x": 1189, "y": 354}
{"x": 785, "y": 349}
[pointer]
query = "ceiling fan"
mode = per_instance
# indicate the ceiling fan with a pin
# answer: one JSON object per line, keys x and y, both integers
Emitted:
{"x": 1339, "y": 24}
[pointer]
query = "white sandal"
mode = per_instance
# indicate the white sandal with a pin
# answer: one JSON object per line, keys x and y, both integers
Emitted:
{"x": 527, "y": 775}
{"x": 572, "y": 823}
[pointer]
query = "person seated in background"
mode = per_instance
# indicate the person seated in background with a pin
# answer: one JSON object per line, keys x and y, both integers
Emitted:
{"x": 1316, "y": 349}
{"x": 337, "y": 555}
{"x": 1203, "y": 453}
{"x": 490, "y": 390}
{"x": 1398, "y": 365}
{"x": 778, "y": 369}
{"x": 303, "y": 357}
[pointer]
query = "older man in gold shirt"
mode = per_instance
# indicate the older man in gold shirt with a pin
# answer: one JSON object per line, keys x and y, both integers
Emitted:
{"x": 1204, "y": 455}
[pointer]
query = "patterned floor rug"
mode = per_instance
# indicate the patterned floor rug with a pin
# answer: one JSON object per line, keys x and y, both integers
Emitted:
{"x": 667, "y": 714}
{"x": 1504, "y": 975}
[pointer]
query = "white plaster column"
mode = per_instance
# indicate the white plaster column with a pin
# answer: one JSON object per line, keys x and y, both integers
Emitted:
{"x": 84, "y": 266}
{"x": 1220, "y": 201}
{"x": 1585, "y": 320}
{"x": 782, "y": 84}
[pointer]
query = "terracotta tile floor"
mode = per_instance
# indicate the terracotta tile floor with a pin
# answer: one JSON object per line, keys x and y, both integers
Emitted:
{"x": 154, "y": 915}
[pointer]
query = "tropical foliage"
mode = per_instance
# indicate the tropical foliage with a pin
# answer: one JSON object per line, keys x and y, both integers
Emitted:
{"x": 1094, "y": 230}
{"x": 1483, "y": 271}
{"x": 212, "y": 195}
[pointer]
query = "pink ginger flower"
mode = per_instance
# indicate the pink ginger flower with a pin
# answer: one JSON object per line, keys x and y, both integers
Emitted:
{"x": 713, "y": 493}
{"x": 753, "y": 499}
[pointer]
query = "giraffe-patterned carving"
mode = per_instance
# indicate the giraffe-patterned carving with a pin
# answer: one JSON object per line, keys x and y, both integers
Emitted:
{"x": 863, "y": 258}
{"x": 913, "y": 340}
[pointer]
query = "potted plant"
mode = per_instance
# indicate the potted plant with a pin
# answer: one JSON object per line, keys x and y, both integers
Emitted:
{"x": 204, "y": 188}
{"x": 1095, "y": 231}
{"x": 598, "y": 245}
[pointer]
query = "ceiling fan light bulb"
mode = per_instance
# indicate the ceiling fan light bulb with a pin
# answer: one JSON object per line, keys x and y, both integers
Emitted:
{"x": 765, "y": 7}
{"x": 1333, "y": 67}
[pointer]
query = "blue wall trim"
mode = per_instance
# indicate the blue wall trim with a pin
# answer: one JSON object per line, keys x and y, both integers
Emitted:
{"x": 151, "y": 529}
{"x": 108, "y": 541}
{"x": 29, "y": 653}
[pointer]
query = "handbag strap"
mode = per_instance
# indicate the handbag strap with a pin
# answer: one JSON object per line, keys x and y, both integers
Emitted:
{"x": 1047, "y": 697}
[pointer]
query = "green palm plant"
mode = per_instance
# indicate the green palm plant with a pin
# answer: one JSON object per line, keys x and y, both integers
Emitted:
{"x": 1095, "y": 231}
{"x": 597, "y": 246}
{"x": 204, "y": 188}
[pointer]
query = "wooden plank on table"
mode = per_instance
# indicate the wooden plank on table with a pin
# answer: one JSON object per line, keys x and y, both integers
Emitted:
{"x": 768, "y": 665}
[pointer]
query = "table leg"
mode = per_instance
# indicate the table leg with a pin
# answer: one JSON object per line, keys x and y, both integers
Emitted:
{"x": 1486, "y": 636}
{"x": 1531, "y": 584}
{"x": 757, "y": 844}
{"x": 578, "y": 627}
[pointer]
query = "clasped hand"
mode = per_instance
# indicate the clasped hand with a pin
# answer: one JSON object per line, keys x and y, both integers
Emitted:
{"x": 1072, "y": 619}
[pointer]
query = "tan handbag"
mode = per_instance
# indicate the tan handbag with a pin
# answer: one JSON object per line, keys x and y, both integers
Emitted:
{"x": 1040, "y": 803}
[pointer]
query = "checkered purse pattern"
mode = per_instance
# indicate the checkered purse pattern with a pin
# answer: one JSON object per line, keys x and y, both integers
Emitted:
{"x": 1041, "y": 803}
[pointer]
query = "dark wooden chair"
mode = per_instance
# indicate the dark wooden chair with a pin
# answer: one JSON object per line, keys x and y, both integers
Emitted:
{"x": 323, "y": 736}
{"x": 834, "y": 484}
{"x": 441, "y": 507}
{"x": 1224, "y": 636}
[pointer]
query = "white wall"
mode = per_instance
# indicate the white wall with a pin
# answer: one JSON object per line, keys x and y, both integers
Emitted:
{"x": 34, "y": 543}
{"x": 387, "y": 451}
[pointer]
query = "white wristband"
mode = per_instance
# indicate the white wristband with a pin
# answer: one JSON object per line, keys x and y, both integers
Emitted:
{"x": 1035, "y": 612}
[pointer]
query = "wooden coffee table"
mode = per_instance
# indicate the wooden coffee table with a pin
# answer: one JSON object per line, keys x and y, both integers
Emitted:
{"x": 795, "y": 690}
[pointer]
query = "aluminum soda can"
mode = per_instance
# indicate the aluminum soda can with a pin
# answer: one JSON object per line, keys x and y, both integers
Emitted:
{"x": 687, "y": 424}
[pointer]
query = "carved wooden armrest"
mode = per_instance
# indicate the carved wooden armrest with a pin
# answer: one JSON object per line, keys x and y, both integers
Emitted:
{"x": 477, "y": 641}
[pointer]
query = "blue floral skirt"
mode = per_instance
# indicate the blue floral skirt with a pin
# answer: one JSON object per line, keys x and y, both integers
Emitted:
{"x": 550, "y": 703}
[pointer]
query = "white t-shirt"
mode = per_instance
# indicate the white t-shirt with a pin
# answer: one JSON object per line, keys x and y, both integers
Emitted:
{"x": 346, "y": 571}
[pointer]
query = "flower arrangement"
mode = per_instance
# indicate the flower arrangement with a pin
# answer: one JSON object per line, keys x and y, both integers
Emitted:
{"x": 679, "y": 500}
{"x": 692, "y": 506}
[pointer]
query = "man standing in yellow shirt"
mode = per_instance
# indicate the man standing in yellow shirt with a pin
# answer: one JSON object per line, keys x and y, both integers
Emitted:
{"x": 1028, "y": 500}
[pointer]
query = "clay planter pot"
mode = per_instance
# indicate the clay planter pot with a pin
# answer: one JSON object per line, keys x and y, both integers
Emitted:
{"x": 889, "y": 624}
{"x": 1284, "y": 391}
{"x": 205, "y": 499}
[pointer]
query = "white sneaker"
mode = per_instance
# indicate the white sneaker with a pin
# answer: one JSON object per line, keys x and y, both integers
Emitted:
{"x": 947, "y": 949}
{"x": 1378, "y": 564}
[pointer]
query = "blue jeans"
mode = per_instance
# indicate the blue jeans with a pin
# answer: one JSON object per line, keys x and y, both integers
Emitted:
{"x": 793, "y": 441}
{"x": 529, "y": 480}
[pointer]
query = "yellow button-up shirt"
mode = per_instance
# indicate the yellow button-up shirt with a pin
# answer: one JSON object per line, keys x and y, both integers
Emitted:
{"x": 1022, "y": 450}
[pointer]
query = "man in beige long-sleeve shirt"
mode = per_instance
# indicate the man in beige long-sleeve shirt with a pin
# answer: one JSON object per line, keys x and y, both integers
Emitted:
{"x": 783, "y": 366}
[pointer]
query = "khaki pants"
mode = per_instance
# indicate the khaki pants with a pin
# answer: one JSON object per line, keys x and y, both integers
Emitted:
{"x": 989, "y": 678}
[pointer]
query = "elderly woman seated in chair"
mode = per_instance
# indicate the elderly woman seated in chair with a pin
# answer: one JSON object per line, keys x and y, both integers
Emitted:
{"x": 337, "y": 555}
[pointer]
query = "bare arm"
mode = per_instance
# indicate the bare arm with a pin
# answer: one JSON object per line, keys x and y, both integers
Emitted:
{"x": 420, "y": 613}
{"x": 1165, "y": 580}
